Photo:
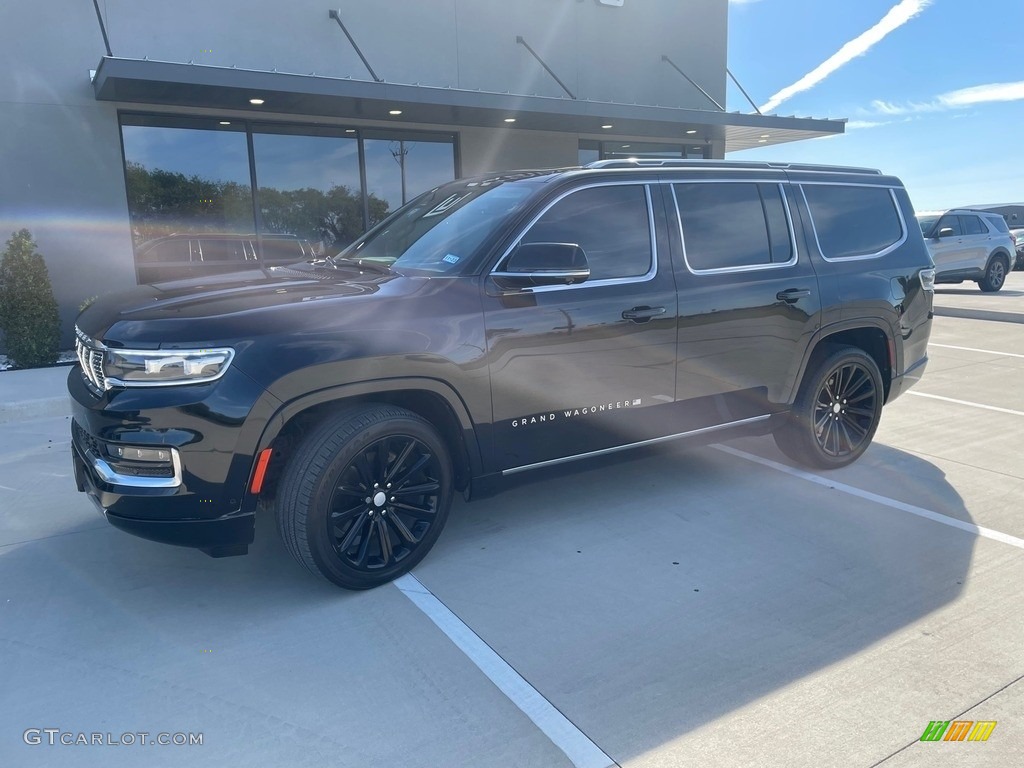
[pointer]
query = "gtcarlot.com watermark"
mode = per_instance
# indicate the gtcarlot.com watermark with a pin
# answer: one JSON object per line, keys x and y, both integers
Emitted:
{"x": 55, "y": 737}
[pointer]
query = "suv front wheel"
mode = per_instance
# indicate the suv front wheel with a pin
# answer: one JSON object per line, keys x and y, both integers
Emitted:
{"x": 365, "y": 496}
{"x": 836, "y": 411}
{"x": 995, "y": 275}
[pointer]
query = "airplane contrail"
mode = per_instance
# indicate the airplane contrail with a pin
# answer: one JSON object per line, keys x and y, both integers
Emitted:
{"x": 897, "y": 16}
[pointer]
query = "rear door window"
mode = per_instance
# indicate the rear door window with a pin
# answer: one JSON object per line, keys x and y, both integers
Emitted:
{"x": 972, "y": 225}
{"x": 228, "y": 249}
{"x": 733, "y": 225}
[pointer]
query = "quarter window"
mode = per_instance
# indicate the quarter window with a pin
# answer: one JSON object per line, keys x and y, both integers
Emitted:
{"x": 610, "y": 223}
{"x": 731, "y": 225}
{"x": 853, "y": 221}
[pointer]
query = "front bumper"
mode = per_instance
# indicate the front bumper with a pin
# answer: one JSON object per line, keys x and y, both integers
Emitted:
{"x": 227, "y": 535}
{"x": 210, "y": 431}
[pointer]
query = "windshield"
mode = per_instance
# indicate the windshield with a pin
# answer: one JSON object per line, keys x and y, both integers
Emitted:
{"x": 441, "y": 229}
{"x": 927, "y": 222}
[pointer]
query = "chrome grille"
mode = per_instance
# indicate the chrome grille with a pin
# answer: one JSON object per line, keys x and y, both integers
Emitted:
{"x": 90, "y": 357}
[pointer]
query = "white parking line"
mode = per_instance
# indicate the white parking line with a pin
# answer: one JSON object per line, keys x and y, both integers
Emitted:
{"x": 967, "y": 402}
{"x": 928, "y": 514}
{"x": 972, "y": 349}
{"x": 580, "y": 750}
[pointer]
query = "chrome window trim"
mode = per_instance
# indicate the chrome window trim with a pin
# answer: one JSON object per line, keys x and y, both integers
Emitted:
{"x": 627, "y": 446}
{"x": 794, "y": 259}
{"x": 108, "y": 475}
{"x": 846, "y": 184}
{"x": 649, "y": 275}
{"x": 861, "y": 256}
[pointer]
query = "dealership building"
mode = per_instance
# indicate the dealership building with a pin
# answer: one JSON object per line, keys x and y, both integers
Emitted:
{"x": 194, "y": 133}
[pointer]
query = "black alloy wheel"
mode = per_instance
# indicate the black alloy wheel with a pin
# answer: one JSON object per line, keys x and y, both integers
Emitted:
{"x": 385, "y": 503}
{"x": 844, "y": 410}
{"x": 836, "y": 411}
{"x": 366, "y": 495}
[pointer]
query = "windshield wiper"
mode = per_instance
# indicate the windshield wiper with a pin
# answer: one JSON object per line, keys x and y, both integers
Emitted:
{"x": 361, "y": 263}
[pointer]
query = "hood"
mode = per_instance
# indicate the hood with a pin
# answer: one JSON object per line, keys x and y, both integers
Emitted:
{"x": 198, "y": 310}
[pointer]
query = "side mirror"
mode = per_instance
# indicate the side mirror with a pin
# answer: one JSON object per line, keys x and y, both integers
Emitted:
{"x": 538, "y": 264}
{"x": 945, "y": 232}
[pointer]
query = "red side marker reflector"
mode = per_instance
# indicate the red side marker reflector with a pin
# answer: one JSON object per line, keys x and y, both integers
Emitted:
{"x": 261, "y": 470}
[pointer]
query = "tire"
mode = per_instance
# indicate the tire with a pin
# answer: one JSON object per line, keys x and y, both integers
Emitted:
{"x": 995, "y": 275}
{"x": 365, "y": 496}
{"x": 837, "y": 409}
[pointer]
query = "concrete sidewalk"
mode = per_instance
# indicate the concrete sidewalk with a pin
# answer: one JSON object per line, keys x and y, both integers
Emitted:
{"x": 34, "y": 393}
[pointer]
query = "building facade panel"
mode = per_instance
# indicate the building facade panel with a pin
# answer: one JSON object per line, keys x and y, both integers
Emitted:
{"x": 63, "y": 181}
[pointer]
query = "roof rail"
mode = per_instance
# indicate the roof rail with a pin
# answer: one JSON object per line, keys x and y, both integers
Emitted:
{"x": 675, "y": 162}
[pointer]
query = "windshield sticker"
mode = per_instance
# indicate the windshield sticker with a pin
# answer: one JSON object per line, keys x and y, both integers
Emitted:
{"x": 451, "y": 258}
{"x": 572, "y": 413}
{"x": 449, "y": 202}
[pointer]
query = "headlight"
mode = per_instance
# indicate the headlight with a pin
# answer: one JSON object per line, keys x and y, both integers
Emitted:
{"x": 161, "y": 367}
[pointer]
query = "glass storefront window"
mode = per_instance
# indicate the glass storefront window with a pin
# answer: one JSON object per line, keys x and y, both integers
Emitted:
{"x": 308, "y": 188}
{"x": 590, "y": 150}
{"x": 192, "y": 187}
{"x": 186, "y": 179}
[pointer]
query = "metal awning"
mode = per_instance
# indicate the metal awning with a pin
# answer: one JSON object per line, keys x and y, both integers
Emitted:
{"x": 143, "y": 81}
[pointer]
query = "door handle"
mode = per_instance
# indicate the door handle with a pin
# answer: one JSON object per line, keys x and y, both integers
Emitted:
{"x": 792, "y": 294}
{"x": 642, "y": 314}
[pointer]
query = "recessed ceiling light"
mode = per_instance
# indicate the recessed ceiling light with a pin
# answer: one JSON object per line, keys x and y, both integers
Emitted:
{"x": 225, "y": 122}
{"x": 626, "y": 146}
{"x": 691, "y": 132}
{"x": 607, "y": 126}
{"x": 395, "y": 112}
{"x": 510, "y": 119}
{"x": 762, "y": 141}
{"x": 257, "y": 102}
{"x": 350, "y": 130}
{"x": 766, "y": 135}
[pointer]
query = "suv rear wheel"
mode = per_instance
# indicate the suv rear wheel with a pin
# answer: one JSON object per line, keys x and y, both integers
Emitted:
{"x": 366, "y": 495}
{"x": 836, "y": 411}
{"x": 995, "y": 275}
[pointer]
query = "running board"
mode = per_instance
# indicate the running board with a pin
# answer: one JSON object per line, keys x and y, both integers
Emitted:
{"x": 628, "y": 446}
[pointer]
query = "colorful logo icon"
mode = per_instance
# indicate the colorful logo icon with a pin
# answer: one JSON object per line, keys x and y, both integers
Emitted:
{"x": 958, "y": 730}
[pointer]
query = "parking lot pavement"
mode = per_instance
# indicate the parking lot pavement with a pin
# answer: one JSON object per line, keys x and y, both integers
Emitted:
{"x": 104, "y": 633}
{"x": 674, "y": 607}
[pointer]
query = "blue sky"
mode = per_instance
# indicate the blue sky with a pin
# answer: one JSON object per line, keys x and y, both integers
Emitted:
{"x": 933, "y": 89}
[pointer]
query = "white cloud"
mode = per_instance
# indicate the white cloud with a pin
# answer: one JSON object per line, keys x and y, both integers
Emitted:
{"x": 897, "y": 16}
{"x": 965, "y": 97}
{"x": 857, "y": 125}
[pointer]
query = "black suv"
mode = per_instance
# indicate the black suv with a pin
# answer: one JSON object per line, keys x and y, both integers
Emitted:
{"x": 493, "y": 326}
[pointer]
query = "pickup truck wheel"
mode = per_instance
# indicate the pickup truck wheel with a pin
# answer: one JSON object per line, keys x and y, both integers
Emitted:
{"x": 995, "y": 275}
{"x": 365, "y": 496}
{"x": 836, "y": 411}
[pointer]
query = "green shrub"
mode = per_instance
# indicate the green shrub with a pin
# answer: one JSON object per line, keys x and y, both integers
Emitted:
{"x": 28, "y": 310}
